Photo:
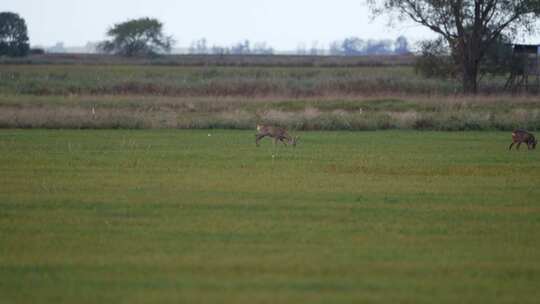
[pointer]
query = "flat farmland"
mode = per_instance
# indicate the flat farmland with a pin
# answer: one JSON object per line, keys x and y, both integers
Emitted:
{"x": 316, "y": 97}
{"x": 189, "y": 81}
{"x": 199, "y": 216}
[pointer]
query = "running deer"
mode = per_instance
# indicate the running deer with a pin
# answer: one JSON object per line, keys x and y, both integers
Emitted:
{"x": 276, "y": 133}
{"x": 520, "y": 136}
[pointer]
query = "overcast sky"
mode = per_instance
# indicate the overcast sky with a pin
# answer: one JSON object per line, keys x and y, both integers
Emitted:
{"x": 283, "y": 24}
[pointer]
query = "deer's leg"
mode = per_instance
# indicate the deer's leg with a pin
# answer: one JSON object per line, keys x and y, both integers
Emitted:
{"x": 258, "y": 137}
{"x": 519, "y": 144}
{"x": 286, "y": 140}
{"x": 511, "y": 145}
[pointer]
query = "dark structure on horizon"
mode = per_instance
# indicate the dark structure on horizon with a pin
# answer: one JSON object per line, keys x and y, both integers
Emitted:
{"x": 525, "y": 65}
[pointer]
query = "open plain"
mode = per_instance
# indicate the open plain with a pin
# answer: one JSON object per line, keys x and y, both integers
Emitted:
{"x": 198, "y": 216}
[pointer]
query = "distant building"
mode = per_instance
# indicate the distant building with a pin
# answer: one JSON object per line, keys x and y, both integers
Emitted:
{"x": 525, "y": 65}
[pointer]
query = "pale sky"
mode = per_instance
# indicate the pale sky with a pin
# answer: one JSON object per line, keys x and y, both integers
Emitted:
{"x": 282, "y": 24}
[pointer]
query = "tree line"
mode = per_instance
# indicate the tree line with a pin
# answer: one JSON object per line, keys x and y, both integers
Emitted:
{"x": 469, "y": 31}
{"x": 145, "y": 37}
{"x": 351, "y": 46}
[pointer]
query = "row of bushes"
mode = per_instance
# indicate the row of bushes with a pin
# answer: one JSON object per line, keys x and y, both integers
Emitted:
{"x": 308, "y": 119}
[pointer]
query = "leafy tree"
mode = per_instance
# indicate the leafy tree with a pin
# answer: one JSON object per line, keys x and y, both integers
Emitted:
{"x": 315, "y": 50}
{"x": 219, "y": 50}
{"x": 401, "y": 45}
{"x": 13, "y": 35}
{"x": 241, "y": 48}
{"x": 379, "y": 47}
{"x": 336, "y": 48}
{"x": 353, "y": 46}
{"x": 498, "y": 59}
{"x": 438, "y": 60}
{"x": 199, "y": 47}
{"x": 137, "y": 37}
{"x": 469, "y": 26}
{"x": 435, "y": 60}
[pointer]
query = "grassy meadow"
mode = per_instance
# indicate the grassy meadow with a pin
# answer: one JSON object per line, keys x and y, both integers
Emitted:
{"x": 199, "y": 216}
{"x": 297, "y": 92}
{"x": 190, "y": 81}
{"x": 138, "y": 181}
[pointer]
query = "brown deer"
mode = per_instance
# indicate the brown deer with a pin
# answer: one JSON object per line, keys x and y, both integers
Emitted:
{"x": 520, "y": 136}
{"x": 276, "y": 133}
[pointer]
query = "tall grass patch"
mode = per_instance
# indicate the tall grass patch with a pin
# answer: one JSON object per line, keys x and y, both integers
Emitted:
{"x": 328, "y": 113}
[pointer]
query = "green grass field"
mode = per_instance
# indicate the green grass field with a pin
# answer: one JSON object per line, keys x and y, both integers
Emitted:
{"x": 168, "y": 216}
{"x": 290, "y": 81}
{"x": 357, "y": 97}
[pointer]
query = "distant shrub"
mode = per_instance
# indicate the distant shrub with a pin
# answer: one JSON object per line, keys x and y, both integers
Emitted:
{"x": 435, "y": 60}
{"x": 37, "y": 51}
{"x": 424, "y": 123}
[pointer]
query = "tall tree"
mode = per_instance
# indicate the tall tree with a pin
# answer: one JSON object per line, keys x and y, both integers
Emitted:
{"x": 199, "y": 47}
{"x": 470, "y": 26}
{"x": 353, "y": 46}
{"x": 13, "y": 35}
{"x": 401, "y": 45}
{"x": 137, "y": 37}
{"x": 241, "y": 48}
